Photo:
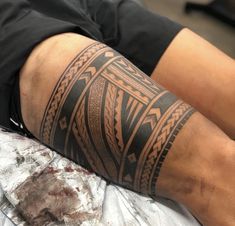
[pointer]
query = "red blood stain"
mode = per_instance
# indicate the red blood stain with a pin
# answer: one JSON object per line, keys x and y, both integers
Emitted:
{"x": 68, "y": 169}
{"x": 51, "y": 170}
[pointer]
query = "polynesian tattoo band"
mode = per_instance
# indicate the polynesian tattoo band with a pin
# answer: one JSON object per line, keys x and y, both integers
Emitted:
{"x": 108, "y": 116}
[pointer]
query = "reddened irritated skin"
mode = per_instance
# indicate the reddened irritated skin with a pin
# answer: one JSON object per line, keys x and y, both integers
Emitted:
{"x": 95, "y": 107}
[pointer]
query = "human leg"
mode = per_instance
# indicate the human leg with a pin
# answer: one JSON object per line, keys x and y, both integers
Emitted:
{"x": 92, "y": 105}
{"x": 201, "y": 75}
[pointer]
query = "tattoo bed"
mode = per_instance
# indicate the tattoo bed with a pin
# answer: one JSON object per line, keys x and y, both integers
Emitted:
{"x": 40, "y": 187}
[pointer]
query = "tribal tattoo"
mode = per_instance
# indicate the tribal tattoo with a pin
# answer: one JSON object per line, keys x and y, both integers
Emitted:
{"x": 109, "y": 117}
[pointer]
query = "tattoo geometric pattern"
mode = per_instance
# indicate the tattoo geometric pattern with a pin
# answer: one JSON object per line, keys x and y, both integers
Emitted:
{"x": 108, "y": 116}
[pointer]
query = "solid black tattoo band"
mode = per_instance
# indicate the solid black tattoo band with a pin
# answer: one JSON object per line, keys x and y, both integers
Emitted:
{"x": 109, "y": 117}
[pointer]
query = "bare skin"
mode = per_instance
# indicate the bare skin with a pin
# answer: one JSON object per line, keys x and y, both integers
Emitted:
{"x": 199, "y": 158}
{"x": 201, "y": 75}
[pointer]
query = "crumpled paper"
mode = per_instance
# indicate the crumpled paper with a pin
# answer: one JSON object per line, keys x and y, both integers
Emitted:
{"x": 40, "y": 187}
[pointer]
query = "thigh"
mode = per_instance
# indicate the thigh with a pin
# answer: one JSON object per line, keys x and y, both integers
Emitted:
{"x": 92, "y": 105}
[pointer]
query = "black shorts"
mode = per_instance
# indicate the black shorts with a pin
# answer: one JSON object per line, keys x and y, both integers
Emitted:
{"x": 138, "y": 34}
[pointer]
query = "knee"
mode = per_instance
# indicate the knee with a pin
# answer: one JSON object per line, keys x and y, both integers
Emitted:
{"x": 52, "y": 56}
{"x": 42, "y": 70}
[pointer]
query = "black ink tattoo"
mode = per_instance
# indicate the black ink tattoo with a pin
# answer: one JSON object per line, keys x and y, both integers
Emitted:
{"x": 108, "y": 116}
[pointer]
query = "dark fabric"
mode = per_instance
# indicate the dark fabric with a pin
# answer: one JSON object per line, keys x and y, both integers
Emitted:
{"x": 138, "y": 34}
{"x": 143, "y": 36}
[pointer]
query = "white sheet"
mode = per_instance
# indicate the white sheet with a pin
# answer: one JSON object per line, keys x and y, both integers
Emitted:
{"x": 25, "y": 165}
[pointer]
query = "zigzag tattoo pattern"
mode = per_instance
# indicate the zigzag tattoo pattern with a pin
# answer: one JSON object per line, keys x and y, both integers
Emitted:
{"x": 108, "y": 116}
